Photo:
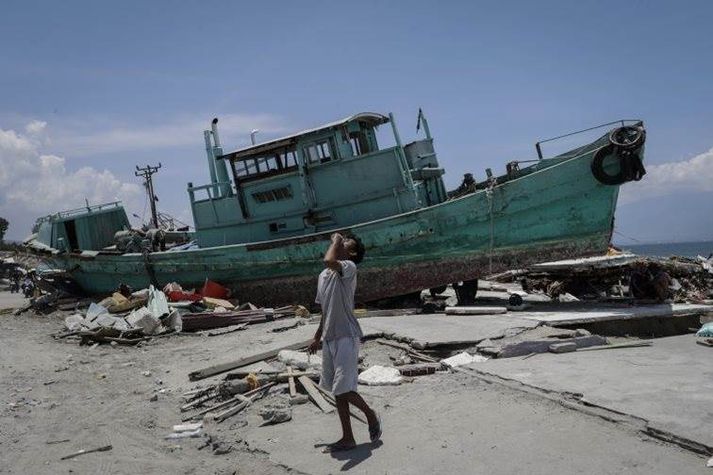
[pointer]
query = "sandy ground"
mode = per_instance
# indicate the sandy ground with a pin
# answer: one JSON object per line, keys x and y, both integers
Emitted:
{"x": 54, "y": 390}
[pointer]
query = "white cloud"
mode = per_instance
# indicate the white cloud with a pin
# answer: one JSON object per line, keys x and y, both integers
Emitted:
{"x": 34, "y": 184}
{"x": 692, "y": 175}
{"x": 83, "y": 138}
{"x": 35, "y": 127}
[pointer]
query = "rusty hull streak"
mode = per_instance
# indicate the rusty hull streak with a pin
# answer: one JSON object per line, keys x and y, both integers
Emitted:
{"x": 375, "y": 284}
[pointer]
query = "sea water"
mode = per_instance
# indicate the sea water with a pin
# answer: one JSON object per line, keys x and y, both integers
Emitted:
{"x": 685, "y": 249}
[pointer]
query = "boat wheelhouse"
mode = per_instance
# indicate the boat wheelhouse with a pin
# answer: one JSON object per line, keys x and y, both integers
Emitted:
{"x": 329, "y": 177}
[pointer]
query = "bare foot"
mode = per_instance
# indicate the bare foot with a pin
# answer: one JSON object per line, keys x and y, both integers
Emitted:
{"x": 339, "y": 446}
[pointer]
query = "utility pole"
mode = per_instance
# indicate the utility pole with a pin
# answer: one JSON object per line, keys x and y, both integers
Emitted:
{"x": 146, "y": 172}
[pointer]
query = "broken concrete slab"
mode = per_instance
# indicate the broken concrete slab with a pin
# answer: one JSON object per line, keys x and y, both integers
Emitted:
{"x": 475, "y": 310}
{"x": 526, "y": 347}
{"x": 563, "y": 347}
{"x": 579, "y": 315}
{"x": 670, "y": 383}
{"x": 430, "y": 330}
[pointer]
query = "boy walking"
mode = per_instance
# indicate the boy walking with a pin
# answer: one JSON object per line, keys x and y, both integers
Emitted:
{"x": 341, "y": 336}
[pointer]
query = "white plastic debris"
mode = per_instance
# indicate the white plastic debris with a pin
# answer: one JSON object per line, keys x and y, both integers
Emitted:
{"x": 143, "y": 318}
{"x": 463, "y": 359}
{"x": 187, "y": 427}
{"x": 74, "y": 322}
{"x": 299, "y": 359}
{"x": 157, "y": 303}
{"x": 183, "y": 435}
{"x": 710, "y": 462}
{"x": 381, "y": 376}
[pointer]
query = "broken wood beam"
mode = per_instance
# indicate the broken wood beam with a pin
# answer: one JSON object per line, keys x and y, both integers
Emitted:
{"x": 225, "y": 367}
{"x": 291, "y": 382}
{"x": 82, "y": 452}
{"x": 257, "y": 393}
{"x": 198, "y": 402}
{"x": 408, "y": 350}
{"x": 315, "y": 394}
{"x": 331, "y": 400}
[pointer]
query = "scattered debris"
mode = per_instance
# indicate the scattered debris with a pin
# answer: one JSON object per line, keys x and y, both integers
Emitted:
{"x": 225, "y": 367}
{"x": 380, "y": 376}
{"x": 463, "y": 359}
{"x": 419, "y": 369}
{"x": 275, "y": 414}
{"x": 105, "y": 448}
{"x": 184, "y": 434}
{"x": 475, "y": 310}
{"x": 618, "y": 276}
{"x": 299, "y": 359}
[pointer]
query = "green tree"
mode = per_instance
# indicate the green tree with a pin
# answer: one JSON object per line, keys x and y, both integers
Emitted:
{"x": 3, "y": 228}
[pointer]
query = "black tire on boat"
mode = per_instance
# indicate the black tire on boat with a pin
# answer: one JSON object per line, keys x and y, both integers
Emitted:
{"x": 630, "y": 166}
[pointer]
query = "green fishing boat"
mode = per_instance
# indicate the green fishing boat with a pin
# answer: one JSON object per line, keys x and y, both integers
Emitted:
{"x": 263, "y": 222}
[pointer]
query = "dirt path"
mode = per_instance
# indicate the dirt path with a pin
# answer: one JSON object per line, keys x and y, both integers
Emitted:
{"x": 53, "y": 390}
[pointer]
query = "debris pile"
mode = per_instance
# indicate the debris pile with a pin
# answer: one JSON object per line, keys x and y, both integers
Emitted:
{"x": 619, "y": 277}
{"x": 124, "y": 318}
{"x": 128, "y": 317}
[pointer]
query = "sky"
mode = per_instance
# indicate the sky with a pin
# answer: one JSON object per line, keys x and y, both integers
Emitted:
{"x": 89, "y": 90}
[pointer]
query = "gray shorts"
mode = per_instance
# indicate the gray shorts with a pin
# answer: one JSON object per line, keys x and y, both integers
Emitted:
{"x": 340, "y": 365}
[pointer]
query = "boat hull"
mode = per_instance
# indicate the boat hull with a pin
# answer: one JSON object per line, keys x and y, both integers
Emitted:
{"x": 559, "y": 211}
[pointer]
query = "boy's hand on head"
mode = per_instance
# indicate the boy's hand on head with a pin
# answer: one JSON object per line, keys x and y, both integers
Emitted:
{"x": 336, "y": 237}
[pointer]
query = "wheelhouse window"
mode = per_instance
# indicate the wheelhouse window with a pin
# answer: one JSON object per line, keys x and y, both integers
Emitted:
{"x": 271, "y": 163}
{"x": 359, "y": 143}
{"x": 319, "y": 152}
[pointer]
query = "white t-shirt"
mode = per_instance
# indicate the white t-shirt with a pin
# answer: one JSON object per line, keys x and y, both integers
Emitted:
{"x": 335, "y": 293}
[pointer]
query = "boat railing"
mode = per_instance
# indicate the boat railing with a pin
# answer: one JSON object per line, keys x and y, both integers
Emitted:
{"x": 84, "y": 209}
{"x": 623, "y": 122}
{"x": 211, "y": 190}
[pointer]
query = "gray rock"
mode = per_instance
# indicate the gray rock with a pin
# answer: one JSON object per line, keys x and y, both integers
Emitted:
{"x": 275, "y": 414}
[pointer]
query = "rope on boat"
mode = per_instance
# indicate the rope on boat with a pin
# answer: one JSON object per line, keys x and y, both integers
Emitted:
{"x": 149, "y": 268}
{"x": 489, "y": 196}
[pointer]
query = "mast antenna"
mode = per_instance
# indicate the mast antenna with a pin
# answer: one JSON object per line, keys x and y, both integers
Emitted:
{"x": 147, "y": 172}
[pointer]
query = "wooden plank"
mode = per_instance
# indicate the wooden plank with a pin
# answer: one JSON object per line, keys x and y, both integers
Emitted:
{"x": 232, "y": 411}
{"x": 255, "y": 394}
{"x": 198, "y": 402}
{"x": 331, "y": 400}
{"x": 408, "y": 350}
{"x": 90, "y": 451}
{"x": 291, "y": 382}
{"x": 224, "y": 367}
{"x": 314, "y": 394}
